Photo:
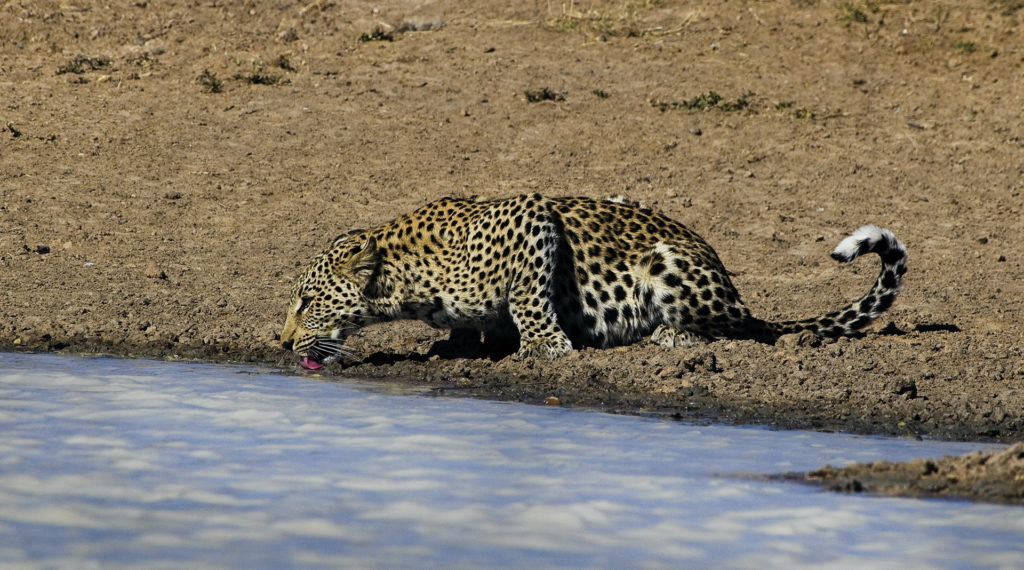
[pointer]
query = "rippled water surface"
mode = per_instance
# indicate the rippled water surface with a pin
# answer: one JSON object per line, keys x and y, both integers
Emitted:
{"x": 137, "y": 463}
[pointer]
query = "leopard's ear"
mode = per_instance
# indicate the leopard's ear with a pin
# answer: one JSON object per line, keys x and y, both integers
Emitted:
{"x": 364, "y": 263}
{"x": 367, "y": 270}
{"x": 344, "y": 237}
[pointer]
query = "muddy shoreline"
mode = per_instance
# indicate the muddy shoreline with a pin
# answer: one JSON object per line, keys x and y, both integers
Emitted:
{"x": 679, "y": 384}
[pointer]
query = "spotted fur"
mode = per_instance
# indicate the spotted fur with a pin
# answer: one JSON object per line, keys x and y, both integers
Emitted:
{"x": 556, "y": 273}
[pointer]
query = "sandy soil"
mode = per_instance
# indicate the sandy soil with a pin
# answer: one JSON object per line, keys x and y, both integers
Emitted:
{"x": 166, "y": 169}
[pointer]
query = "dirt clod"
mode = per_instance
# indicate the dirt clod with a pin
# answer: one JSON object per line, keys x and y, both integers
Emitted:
{"x": 154, "y": 272}
{"x": 801, "y": 339}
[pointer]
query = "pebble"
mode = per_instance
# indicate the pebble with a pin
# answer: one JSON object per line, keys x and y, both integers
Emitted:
{"x": 154, "y": 272}
{"x": 790, "y": 342}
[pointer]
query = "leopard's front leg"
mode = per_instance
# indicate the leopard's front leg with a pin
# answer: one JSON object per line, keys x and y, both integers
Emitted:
{"x": 539, "y": 333}
{"x": 530, "y": 303}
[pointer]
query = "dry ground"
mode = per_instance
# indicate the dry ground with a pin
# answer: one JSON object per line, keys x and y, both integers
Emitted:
{"x": 167, "y": 168}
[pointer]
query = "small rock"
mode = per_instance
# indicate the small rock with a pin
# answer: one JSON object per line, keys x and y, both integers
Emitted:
{"x": 42, "y": 249}
{"x": 840, "y": 394}
{"x": 288, "y": 36}
{"x": 905, "y": 387}
{"x": 552, "y": 401}
{"x": 154, "y": 272}
{"x": 801, "y": 339}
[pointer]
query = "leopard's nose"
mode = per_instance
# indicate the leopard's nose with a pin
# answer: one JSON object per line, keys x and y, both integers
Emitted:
{"x": 288, "y": 344}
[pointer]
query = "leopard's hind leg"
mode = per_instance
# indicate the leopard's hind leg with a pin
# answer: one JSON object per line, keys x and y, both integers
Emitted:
{"x": 670, "y": 336}
{"x": 689, "y": 294}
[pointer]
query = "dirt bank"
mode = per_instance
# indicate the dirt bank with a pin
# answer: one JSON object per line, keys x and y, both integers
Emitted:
{"x": 166, "y": 169}
{"x": 995, "y": 477}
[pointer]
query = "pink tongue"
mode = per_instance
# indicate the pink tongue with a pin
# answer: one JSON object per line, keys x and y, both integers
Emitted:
{"x": 310, "y": 364}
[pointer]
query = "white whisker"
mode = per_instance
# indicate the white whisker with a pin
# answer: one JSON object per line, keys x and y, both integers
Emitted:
{"x": 326, "y": 347}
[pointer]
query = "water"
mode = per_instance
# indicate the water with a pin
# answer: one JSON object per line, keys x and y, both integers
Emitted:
{"x": 133, "y": 463}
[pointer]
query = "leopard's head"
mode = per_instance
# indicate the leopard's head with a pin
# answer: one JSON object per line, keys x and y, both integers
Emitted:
{"x": 334, "y": 297}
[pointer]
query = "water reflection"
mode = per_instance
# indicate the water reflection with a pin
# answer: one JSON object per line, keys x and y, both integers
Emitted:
{"x": 133, "y": 462}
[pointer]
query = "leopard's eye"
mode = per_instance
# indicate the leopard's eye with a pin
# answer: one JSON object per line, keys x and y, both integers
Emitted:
{"x": 303, "y": 304}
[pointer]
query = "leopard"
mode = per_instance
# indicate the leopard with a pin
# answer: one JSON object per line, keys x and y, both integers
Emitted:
{"x": 550, "y": 275}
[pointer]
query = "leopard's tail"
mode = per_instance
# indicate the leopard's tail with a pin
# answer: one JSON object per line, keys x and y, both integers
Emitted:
{"x": 857, "y": 314}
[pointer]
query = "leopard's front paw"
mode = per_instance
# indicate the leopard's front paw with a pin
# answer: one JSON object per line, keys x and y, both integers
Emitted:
{"x": 546, "y": 348}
